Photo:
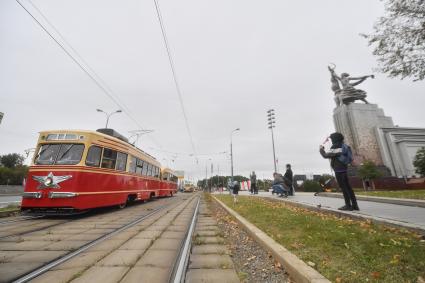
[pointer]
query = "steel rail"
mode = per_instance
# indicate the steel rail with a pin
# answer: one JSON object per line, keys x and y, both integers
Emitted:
{"x": 60, "y": 260}
{"x": 179, "y": 272}
{"x": 22, "y": 218}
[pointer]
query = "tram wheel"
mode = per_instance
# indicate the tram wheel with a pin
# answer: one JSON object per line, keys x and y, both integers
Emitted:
{"x": 122, "y": 205}
{"x": 151, "y": 196}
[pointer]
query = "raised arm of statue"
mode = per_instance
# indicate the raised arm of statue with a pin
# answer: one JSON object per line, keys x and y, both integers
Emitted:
{"x": 360, "y": 80}
{"x": 333, "y": 74}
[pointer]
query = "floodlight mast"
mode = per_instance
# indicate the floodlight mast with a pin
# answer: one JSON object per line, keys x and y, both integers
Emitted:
{"x": 271, "y": 123}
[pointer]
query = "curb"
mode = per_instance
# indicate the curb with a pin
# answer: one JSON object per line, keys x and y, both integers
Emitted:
{"x": 398, "y": 201}
{"x": 296, "y": 268}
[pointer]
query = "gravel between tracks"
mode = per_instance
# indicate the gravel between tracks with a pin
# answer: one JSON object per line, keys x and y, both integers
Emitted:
{"x": 252, "y": 262}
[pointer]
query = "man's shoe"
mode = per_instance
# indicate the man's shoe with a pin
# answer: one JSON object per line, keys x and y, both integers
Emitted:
{"x": 345, "y": 207}
{"x": 356, "y": 207}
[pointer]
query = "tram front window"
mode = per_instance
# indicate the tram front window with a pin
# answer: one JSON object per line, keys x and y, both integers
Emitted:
{"x": 60, "y": 154}
{"x": 70, "y": 154}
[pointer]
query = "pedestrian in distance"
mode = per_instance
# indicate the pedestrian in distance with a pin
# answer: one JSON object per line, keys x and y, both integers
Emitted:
{"x": 288, "y": 178}
{"x": 253, "y": 179}
{"x": 341, "y": 156}
{"x": 235, "y": 191}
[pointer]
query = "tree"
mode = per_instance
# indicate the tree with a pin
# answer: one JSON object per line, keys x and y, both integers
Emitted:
{"x": 368, "y": 172}
{"x": 12, "y": 160}
{"x": 399, "y": 39}
{"x": 419, "y": 161}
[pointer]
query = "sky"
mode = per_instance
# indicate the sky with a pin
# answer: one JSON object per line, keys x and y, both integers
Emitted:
{"x": 234, "y": 60}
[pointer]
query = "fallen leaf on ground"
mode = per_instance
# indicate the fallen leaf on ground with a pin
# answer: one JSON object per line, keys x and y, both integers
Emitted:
{"x": 251, "y": 258}
{"x": 312, "y": 264}
{"x": 376, "y": 274}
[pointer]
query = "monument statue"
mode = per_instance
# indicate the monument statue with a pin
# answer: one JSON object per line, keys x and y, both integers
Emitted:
{"x": 348, "y": 93}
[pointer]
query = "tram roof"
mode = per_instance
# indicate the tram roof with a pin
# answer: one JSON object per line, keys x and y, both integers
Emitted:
{"x": 91, "y": 132}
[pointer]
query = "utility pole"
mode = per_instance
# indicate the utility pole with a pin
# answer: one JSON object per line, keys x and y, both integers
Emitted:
{"x": 231, "y": 152}
{"x": 271, "y": 123}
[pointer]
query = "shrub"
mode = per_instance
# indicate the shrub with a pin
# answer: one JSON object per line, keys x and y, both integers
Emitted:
{"x": 310, "y": 186}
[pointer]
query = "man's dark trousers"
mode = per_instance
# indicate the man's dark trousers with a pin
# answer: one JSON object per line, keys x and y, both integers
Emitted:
{"x": 347, "y": 191}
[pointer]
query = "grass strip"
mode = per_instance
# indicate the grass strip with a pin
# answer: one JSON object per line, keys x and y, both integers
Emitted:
{"x": 413, "y": 194}
{"x": 343, "y": 250}
{"x": 10, "y": 207}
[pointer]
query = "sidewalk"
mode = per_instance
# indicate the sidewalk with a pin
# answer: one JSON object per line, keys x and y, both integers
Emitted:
{"x": 400, "y": 215}
{"x": 399, "y": 201}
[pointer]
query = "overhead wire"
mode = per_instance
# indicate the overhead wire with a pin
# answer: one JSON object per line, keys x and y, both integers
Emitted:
{"x": 173, "y": 70}
{"x": 89, "y": 71}
{"x": 82, "y": 64}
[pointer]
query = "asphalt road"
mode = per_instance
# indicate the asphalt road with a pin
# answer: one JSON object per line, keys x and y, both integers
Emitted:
{"x": 6, "y": 200}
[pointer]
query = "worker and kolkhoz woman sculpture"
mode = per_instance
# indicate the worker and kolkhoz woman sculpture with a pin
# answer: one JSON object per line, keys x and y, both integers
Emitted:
{"x": 347, "y": 94}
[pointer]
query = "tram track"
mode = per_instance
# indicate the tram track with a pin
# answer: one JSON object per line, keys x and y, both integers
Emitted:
{"x": 60, "y": 260}
{"x": 58, "y": 220}
{"x": 19, "y": 219}
{"x": 180, "y": 267}
{"x": 75, "y": 253}
{"x": 27, "y": 229}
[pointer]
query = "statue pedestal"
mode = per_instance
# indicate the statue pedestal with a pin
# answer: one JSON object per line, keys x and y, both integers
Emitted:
{"x": 358, "y": 123}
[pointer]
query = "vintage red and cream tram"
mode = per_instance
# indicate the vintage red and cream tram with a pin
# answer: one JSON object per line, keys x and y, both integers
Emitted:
{"x": 79, "y": 170}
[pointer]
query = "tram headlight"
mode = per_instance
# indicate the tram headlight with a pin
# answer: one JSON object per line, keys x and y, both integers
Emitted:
{"x": 48, "y": 181}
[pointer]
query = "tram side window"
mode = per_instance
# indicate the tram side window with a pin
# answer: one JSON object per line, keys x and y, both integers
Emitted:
{"x": 121, "y": 161}
{"x": 173, "y": 178}
{"x": 47, "y": 154}
{"x": 140, "y": 166}
{"x": 165, "y": 176}
{"x": 150, "y": 167}
{"x": 156, "y": 172}
{"x": 93, "y": 156}
{"x": 109, "y": 158}
{"x": 145, "y": 169}
{"x": 133, "y": 165}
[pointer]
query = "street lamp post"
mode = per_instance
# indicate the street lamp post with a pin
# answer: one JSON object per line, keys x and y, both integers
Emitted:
{"x": 108, "y": 115}
{"x": 231, "y": 152}
{"x": 271, "y": 119}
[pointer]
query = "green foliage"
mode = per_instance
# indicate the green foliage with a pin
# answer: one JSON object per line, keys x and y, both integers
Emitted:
{"x": 13, "y": 176}
{"x": 419, "y": 161}
{"x": 216, "y": 181}
{"x": 12, "y": 160}
{"x": 310, "y": 186}
{"x": 368, "y": 170}
{"x": 399, "y": 39}
{"x": 264, "y": 185}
